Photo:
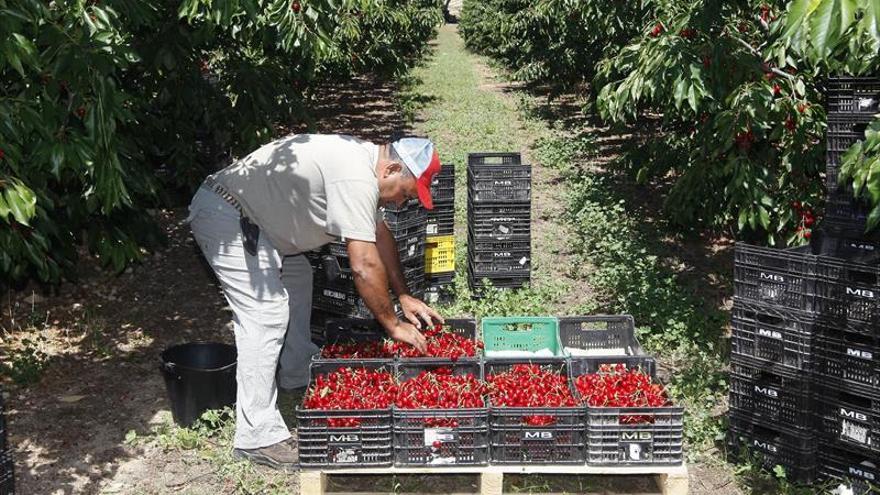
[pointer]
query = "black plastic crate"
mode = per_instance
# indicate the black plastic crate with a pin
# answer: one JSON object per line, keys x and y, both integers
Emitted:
{"x": 780, "y": 277}
{"x": 443, "y": 184}
{"x": 499, "y": 191}
{"x": 772, "y": 398}
{"x": 463, "y": 327}
{"x": 625, "y": 436}
{"x": 359, "y": 330}
{"x": 521, "y": 210}
{"x": 856, "y": 98}
{"x": 848, "y": 417}
{"x": 452, "y": 437}
{"x": 774, "y": 445}
{"x": 500, "y": 228}
{"x": 848, "y": 216}
{"x": 409, "y": 246}
{"x": 599, "y": 335}
{"x": 772, "y": 335}
{"x": 439, "y": 293}
{"x": 493, "y": 159}
{"x": 333, "y": 270}
{"x": 844, "y": 244}
{"x": 504, "y": 267}
{"x": 848, "y": 290}
{"x": 508, "y": 282}
{"x": 514, "y": 442}
{"x": 336, "y": 302}
{"x": 859, "y": 472}
{"x": 497, "y": 246}
{"x": 368, "y": 444}
{"x": 439, "y": 228}
{"x": 398, "y": 220}
{"x": 853, "y": 359}
{"x": 519, "y": 257}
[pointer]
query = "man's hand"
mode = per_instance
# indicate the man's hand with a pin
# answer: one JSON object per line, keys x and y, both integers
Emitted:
{"x": 414, "y": 310}
{"x": 406, "y": 332}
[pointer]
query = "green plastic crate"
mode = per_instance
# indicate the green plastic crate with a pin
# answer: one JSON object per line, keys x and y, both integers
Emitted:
{"x": 521, "y": 333}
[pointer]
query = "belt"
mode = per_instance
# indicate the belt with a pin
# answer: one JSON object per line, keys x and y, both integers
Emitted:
{"x": 221, "y": 191}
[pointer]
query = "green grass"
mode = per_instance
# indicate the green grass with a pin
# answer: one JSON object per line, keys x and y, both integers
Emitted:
{"x": 462, "y": 114}
{"x": 210, "y": 440}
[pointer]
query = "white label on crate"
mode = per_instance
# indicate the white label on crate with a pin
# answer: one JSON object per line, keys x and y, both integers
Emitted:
{"x": 504, "y": 229}
{"x": 773, "y": 334}
{"x": 334, "y": 294}
{"x": 861, "y": 473}
{"x": 867, "y": 294}
{"x": 861, "y": 247}
{"x": 766, "y": 446}
{"x": 444, "y": 436}
{"x": 846, "y": 413}
{"x": 345, "y": 438}
{"x": 769, "y": 392}
{"x": 432, "y": 228}
{"x": 636, "y": 435}
{"x": 411, "y": 250}
{"x": 853, "y": 431}
{"x": 503, "y": 254}
{"x": 772, "y": 276}
{"x": 859, "y": 354}
{"x": 867, "y": 103}
{"x": 523, "y": 261}
{"x": 346, "y": 456}
{"x": 636, "y": 451}
{"x": 537, "y": 435}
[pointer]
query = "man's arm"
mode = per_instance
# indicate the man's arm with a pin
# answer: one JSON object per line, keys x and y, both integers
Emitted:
{"x": 371, "y": 282}
{"x": 387, "y": 247}
{"x": 413, "y": 308}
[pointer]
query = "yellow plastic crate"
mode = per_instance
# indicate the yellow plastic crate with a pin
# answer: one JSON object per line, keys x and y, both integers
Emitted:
{"x": 440, "y": 254}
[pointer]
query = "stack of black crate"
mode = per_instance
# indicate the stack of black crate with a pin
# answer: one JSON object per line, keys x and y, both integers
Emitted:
{"x": 847, "y": 302}
{"x": 334, "y": 293}
{"x": 771, "y": 401}
{"x": 440, "y": 230}
{"x": 499, "y": 220}
{"x": 805, "y": 360}
{"x": 7, "y": 476}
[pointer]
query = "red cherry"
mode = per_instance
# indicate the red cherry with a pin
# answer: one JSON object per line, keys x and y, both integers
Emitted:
{"x": 295, "y": 7}
{"x": 802, "y": 107}
{"x": 658, "y": 28}
{"x": 807, "y": 234}
{"x": 776, "y": 90}
{"x": 81, "y": 112}
{"x": 436, "y": 444}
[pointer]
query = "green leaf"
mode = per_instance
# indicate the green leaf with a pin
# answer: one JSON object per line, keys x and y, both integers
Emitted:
{"x": 22, "y": 202}
{"x": 797, "y": 13}
{"x": 764, "y": 217}
{"x": 825, "y": 27}
{"x": 873, "y": 218}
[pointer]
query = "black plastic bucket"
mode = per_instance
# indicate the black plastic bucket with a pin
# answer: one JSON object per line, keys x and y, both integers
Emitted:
{"x": 198, "y": 376}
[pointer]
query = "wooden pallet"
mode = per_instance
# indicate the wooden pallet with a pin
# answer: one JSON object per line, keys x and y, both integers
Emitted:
{"x": 672, "y": 480}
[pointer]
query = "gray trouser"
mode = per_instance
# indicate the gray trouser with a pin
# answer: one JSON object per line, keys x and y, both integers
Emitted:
{"x": 271, "y": 299}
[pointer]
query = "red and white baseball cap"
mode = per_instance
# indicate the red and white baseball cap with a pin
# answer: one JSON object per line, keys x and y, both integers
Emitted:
{"x": 420, "y": 157}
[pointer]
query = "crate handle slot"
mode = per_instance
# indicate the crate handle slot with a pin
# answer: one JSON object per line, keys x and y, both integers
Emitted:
{"x": 518, "y": 327}
{"x": 855, "y": 400}
{"x": 593, "y": 326}
{"x": 769, "y": 319}
{"x": 862, "y": 277}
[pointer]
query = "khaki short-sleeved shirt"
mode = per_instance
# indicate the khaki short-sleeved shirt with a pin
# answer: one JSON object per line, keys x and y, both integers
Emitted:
{"x": 307, "y": 190}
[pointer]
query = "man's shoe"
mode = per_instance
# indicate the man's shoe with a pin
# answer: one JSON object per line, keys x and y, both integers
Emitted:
{"x": 281, "y": 456}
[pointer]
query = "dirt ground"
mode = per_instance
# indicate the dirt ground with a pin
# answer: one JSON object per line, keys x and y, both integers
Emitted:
{"x": 104, "y": 334}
